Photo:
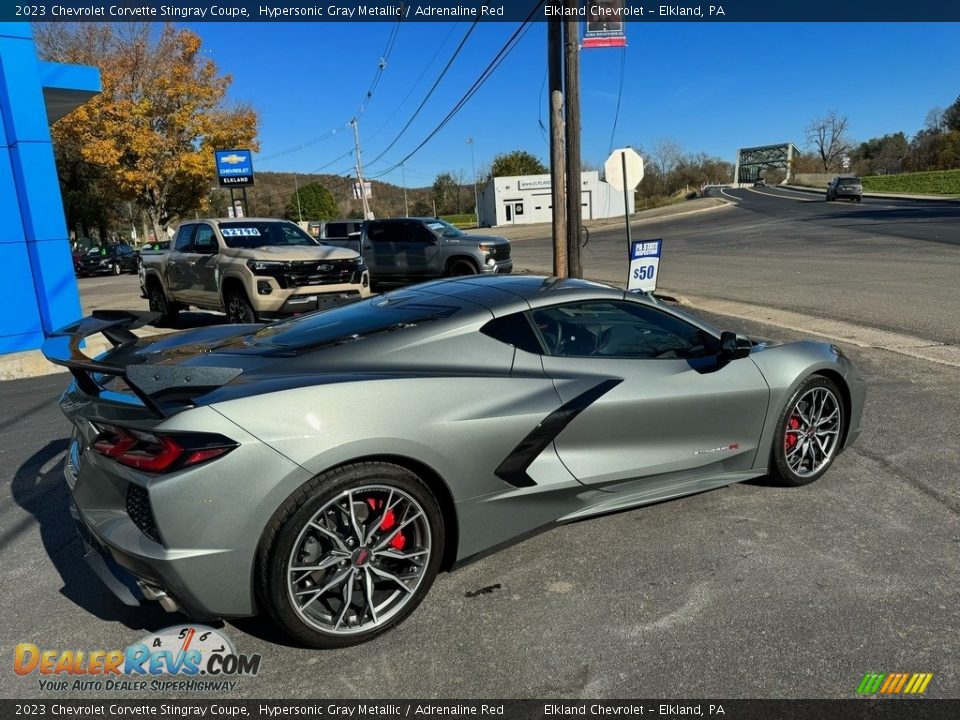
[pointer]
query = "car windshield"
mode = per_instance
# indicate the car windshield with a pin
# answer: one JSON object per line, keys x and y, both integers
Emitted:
{"x": 445, "y": 228}
{"x": 263, "y": 233}
{"x": 385, "y": 313}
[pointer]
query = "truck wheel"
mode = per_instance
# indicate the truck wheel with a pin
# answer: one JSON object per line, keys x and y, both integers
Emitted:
{"x": 238, "y": 308}
{"x": 169, "y": 311}
{"x": 461, "y": 267}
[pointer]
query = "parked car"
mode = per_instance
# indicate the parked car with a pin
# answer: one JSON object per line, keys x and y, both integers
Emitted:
{"x": 759, "y": 182}
{"x": 107, "y": 260}
{"x": 401, "y": 250}
{"x": 252, "y": 269}
{"x": 335, "y": 229}
{"x": 845, "y": 186}
{"x": 322, "y": 470}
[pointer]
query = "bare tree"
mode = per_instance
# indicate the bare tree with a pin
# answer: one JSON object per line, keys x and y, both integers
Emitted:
{"x": 935, "y": 119}
{"x": 828, "y": 137}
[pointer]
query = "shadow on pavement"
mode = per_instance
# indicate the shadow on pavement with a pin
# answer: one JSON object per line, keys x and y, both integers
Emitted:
{"x": 39, "y": 488}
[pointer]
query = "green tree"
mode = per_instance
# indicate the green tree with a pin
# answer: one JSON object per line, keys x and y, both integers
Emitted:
{"x": 951, "y": 116}
{"x": 316, "y": 203}
{"x": 518, "y": 162}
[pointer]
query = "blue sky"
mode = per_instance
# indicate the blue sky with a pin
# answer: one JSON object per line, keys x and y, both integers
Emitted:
{"x": 712, "y": 87}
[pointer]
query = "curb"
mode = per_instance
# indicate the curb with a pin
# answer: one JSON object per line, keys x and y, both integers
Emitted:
{"x": 32, "y": 363}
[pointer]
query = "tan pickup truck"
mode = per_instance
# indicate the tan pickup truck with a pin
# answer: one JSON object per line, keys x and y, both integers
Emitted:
{"x": 253, "y": 269}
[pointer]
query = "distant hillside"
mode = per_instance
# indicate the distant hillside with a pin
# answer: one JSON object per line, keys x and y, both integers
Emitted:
{"x": 273, "y": 191}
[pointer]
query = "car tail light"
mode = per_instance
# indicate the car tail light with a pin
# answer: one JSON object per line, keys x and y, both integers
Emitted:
{"x": 159, "y": 452}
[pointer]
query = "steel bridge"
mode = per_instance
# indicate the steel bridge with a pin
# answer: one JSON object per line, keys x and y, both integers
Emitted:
{"x": 752, "y": 161}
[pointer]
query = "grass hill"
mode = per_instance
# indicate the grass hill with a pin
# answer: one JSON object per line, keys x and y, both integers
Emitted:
{"x": 273, "y": 191}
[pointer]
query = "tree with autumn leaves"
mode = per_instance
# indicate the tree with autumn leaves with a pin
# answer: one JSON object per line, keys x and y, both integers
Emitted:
{"x": 149, "y": 136}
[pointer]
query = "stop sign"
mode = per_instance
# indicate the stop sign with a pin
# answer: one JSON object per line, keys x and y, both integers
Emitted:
{"x": 614, "y": 168}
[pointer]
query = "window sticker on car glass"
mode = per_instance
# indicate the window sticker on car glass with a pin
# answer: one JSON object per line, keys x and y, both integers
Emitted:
{"x": 240, "y": 232}
{"x": 435, "y": 226}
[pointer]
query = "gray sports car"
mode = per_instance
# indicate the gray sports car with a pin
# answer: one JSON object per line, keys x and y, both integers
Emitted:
{"x": 323, "y": 469}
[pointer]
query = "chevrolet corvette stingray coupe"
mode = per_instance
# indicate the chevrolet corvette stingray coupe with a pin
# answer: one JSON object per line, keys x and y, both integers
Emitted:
{"x": 321, "y": 470}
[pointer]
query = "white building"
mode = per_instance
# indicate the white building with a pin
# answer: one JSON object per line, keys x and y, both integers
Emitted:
{"x": 523, "y": 199}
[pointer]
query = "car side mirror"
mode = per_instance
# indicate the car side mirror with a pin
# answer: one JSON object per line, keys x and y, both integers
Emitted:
{"x": 734, "y": 346}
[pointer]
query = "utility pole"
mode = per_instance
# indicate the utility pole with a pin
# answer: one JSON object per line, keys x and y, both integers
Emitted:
{"x": 363, "y": 191}
{"x": 406, "y": 207}
{"x": 572, "y": 111}
{"x": 296, "y": 193}
{"x": 557, "y": 170}
{"x": 476, "y": 198}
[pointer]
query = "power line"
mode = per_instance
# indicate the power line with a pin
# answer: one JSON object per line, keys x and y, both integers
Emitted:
{"x": 414, "y": 85}
{"x": 504, "y": 51}
{"x": 433, "y": 87}
{"x": 364, "y": 101}
{"x": 616, "y": 115}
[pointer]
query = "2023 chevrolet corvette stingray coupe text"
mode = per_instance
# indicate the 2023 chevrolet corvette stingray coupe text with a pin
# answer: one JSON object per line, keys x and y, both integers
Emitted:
{"x": 323, "y": 469}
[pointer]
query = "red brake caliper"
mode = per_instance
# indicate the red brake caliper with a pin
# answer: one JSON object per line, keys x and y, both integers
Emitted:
{"x": 398, "y": 541}
{"x": 792, "y": 434}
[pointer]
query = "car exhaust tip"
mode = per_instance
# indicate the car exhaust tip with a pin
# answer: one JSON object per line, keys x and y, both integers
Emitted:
{"x": 156, "y": 594}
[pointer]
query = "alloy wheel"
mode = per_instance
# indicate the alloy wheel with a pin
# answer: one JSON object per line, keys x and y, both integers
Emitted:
{"x": 812, "y": 431}
{"x": 359, "y": 560}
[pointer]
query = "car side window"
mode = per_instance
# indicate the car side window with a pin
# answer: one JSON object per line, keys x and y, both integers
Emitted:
{"x": 421, "y": 234}
{"x": 379, "y": 232}
{"x": 205, "y": 242}
{"x": 184, "y": 239}
{"x": 514, "y": 330}
{"x": 618, "y": 330}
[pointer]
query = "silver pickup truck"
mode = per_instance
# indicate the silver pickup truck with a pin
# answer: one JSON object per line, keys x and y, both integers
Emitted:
{"x": 401, "y": 250}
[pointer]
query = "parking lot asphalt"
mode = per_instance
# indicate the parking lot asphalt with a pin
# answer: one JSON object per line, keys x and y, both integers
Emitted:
{"x": 747, "y": 591}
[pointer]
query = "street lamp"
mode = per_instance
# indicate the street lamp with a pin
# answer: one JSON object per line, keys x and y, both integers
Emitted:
{"x": 473, "y": 163}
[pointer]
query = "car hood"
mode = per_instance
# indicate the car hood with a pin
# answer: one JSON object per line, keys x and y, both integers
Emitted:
{"x": 291, "y": 254}
{"x": 473, "y": 239}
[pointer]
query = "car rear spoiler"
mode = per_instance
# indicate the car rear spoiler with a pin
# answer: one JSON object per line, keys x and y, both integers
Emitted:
{"x": 146, "y": 381}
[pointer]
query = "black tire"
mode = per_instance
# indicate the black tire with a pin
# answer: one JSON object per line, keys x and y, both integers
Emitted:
{"x": 169, "y": 311}
{"x": 789, "y": 433}
{"x": 284, "y": 532}
{"x": 238, "y": 307}
{"x": 461, "y": 267}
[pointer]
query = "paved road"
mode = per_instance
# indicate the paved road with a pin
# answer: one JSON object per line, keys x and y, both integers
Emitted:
{"x": 892, "y": 265}
{"x": 747, "y": 591}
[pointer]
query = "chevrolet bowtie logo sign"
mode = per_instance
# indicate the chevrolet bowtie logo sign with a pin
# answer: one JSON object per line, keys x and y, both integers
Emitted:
{"x": 232, "y": 159}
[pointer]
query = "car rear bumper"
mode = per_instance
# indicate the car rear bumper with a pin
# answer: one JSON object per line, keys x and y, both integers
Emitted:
{"x": 209, "y": 519}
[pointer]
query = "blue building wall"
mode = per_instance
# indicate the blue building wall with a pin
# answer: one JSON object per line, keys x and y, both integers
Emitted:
{"x": 38, "y": 293}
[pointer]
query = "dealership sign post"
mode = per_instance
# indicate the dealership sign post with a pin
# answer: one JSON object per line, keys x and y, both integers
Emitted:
{"x": 235, "y": 169}
{"x": 644, "y": 266}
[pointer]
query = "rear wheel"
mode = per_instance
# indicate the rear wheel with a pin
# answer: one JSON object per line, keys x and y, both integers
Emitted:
{"x": 351, "y": 554}
{"x": 169, "y": 311}
{"x": 809, "y": 432}
{"x": 238, "y": 307}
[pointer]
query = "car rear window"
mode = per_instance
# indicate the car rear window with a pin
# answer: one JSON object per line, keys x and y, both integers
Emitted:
{"x": 385, "y": 313}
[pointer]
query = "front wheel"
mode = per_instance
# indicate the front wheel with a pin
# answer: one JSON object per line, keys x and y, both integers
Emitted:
{"x": 238, "y": 308}
{"x": 809, "y": 432}
{"x": 351, "y": 554}
{"x": 461, "y": 267}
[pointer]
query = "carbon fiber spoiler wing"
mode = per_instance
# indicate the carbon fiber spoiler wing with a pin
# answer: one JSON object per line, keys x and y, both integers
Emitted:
{"x": 146, "y": 381}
